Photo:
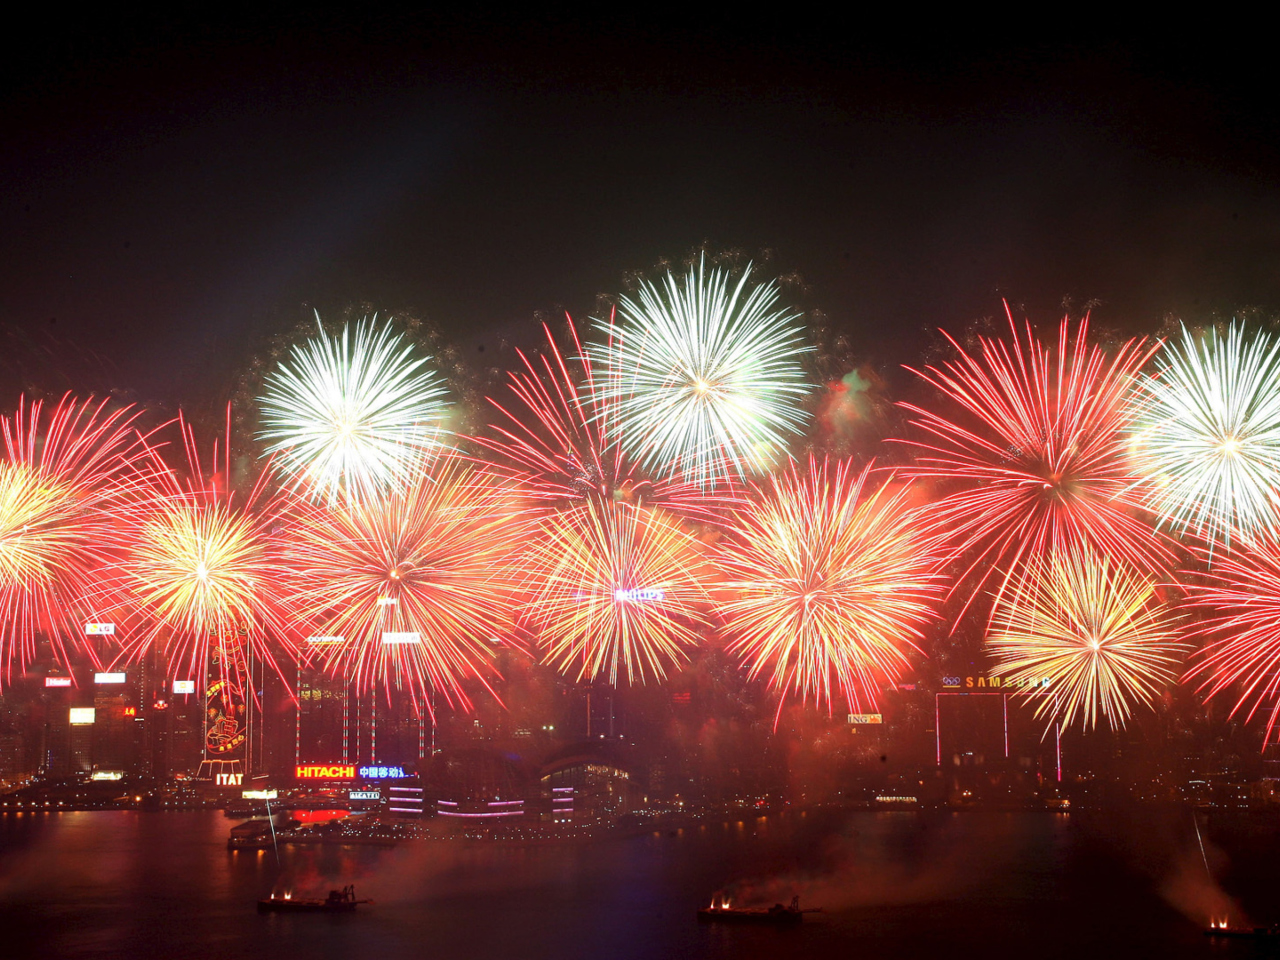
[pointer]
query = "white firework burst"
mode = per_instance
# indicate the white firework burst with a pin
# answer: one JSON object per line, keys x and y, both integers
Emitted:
{"x": 706, "y": 379}
{"x": 1207, "y": 436}
{"x": 351, "y": 414}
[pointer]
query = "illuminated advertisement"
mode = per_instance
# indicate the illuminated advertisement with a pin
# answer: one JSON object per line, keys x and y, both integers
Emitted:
{"x": 865, "y": 718}
{"x": 57, "y": 681}
{"x": 108, "y": 678}
{"x": 992, "y": 683}
{"x": 260, "y": 794}
{"x": 82, "y": 716}
{"x": 382, "y": 773}
{"x": 100, "y": 629}
{"x": 364, "y": 795}
{"x": 646, "y": 595}
{"x": 226, "y": 713}
{"x": 325, "y": 641}
{"x": 107, "y": 775}
{"x": 184, "y": 686}
{"x": 325, "y": 771}
{"x": 393, "y": 638}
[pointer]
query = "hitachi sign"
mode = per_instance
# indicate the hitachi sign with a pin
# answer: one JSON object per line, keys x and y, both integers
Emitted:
{"x": 320, "y": 771}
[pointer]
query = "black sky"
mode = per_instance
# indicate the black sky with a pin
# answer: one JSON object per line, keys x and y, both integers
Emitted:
{"x": 176, "y": 191}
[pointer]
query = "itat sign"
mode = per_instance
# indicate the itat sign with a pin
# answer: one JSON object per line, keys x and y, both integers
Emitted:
{"x": 228, "y": 779}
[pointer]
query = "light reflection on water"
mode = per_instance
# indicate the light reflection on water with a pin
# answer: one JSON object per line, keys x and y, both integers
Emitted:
{"x": 163, "y": 885}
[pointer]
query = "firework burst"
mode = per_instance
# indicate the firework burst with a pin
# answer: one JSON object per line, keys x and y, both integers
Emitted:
{"x": 615, "y": 591}
{"x": 65, "y": 479}
{"x": 556, "y": 441}
{"x": 1087, "y": 636}
{"x": 351, "y": 415}
{"x": 201, "y": 570}
{"x": 1208, "y": 435}
{"x": 1043, "y": 465}
{"x": 413, "y": 588}
{"x": 1237, "y": 608}
{"x": 706, "y": 379}
{"x": 828, "y": 583}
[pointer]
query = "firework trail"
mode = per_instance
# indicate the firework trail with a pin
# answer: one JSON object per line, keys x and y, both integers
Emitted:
{"x": 65, "y": 480}
{"x": 706, "y": 377}
{"x": 202, "y": 570}
{"x": 829, "y": 579}
{"x": 1087, "y": 636}
{"x": 1237, "y": 609}
{"x": 1039, "y": 462}
{"x": 412, "y": 589}
{"x": 351, "y": 415}
{"x": 1207, "y": 435}
{"x": 615, "y": 591}
{"x": 556, "y": 440}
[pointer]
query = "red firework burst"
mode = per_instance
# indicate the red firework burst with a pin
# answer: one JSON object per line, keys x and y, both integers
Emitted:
{"x": 558, "y": 440}
{"x": 1238, "y": 612}
{"x": 1039, "y": 460}
{"x": 65, "y": 479}
{"x": 202, "y": 569}
{"x": 829, "y": 581}
{"x": 410, "y": 591}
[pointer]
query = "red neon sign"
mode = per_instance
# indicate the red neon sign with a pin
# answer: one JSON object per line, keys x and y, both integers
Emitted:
{"x": 321, "y": 771}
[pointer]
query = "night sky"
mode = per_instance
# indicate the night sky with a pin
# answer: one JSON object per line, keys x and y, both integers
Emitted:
{"x": 175, "y": 192}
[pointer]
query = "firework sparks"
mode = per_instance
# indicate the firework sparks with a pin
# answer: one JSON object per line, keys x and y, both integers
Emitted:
{"x": 64, "y": 481}
{"x": 1044, "y": 464}
{"x": 560, "y": 446}
{"x": 414, "y": 584}
{"x": 1208, "y": 435}
{"x": 1087, "y": 636}
{"x": 615, "y": 591}
{"x": 351, "y": 414}
{"x": 706, "y": 376}
{"x": 202, "y": 570}
{"x": 1238, "y": 607}
{"x": 827, "y": 587}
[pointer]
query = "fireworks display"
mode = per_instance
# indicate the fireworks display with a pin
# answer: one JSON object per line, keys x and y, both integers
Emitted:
{"x": 1087, "y": 636}
{"x": 1040, "y": 460}
{"x": 351, "y": 414}
{"x": 202, "y": 570}
{"x": 706, "y": 377}
{"x": 616, "y": 591}
{"x": 829, "y": 582}
{"x": 1208, "y": 435}
{"x": 415, "y": 583}
{"x": 556, "y": 440}
{"x": 65, "y": 480}
{"x": 1237, "y": 607}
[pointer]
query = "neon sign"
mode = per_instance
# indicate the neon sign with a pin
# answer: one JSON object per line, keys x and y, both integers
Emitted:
{"x": 57, "y": 681}
{"x": 184, "y": 686}
{"x": 100, "y": 629}
{"x": 260, "y": 795}
{"x": 81, "y": 716}
{"x": 866, "y": 718}
{"x": 998, "y": 683}
{"x": 639, "y": 595}
{"x": 325, "y": 641}
{"x": 383, "y": 773}
{"x": 323, "y": 771}
{"x": 108, "y": 678}
{"x": 364, "y": 795}
{"x": 228, "y": 779}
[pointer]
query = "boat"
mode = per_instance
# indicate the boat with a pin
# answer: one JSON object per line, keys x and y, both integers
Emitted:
{"x": 1221, "y": 929}
{"x": 338, "y": 901}
{"x": 777, "y": 915}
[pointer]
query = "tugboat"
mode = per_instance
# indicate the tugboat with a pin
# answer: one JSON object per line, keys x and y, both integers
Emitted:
{"x": 778, "y": 915}
{"x": 338, "y": 901}
{"x": 1219, "y": 928}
